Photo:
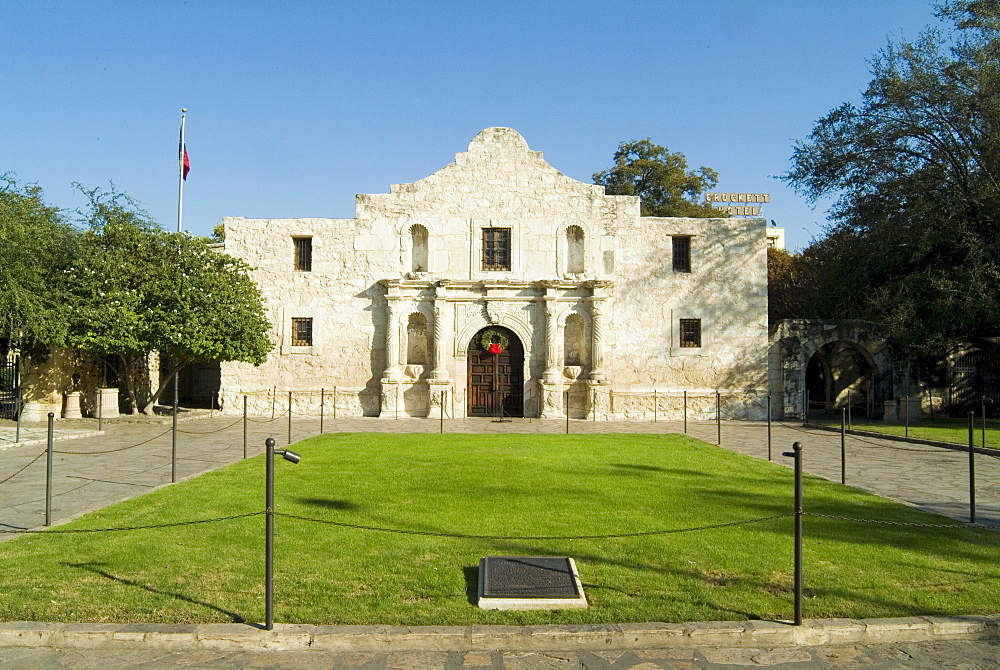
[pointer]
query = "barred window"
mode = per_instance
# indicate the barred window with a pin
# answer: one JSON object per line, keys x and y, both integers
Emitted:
{"x": 496, "y": 248}
{"x": 303, "y": 253}
{"x": 302, "y": 332}
{"x": 690, "y": 332}
{"x": 682, "y": 253}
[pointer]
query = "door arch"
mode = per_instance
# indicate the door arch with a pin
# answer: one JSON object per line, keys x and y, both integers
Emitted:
{"x": 495, "y": 381}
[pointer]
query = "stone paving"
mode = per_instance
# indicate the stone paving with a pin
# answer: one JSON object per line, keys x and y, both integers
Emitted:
{"x": 967, "y": 655}
{"x": 132, "y": 457}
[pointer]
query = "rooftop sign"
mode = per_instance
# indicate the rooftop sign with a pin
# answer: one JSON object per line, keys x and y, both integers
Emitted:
{"x": 739, "y": 202}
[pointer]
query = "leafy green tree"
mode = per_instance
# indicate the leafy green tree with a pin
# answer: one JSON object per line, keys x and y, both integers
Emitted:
{"x": 916, "y": 168}
{"x": 661, "y": 180}
{"x": 36, "y": 246}
{"x": 136, "y": 289}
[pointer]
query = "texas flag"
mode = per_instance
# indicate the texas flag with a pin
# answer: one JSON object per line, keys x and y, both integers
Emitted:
{"x": 185, "y": 163}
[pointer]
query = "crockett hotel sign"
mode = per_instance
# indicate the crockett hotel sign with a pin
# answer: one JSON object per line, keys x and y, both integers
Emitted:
{"x": 738, "y": 204}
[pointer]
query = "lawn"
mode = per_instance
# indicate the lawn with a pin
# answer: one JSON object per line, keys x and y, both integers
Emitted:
{"x": 941, "y": 429}
{"x": 498, "y": 485}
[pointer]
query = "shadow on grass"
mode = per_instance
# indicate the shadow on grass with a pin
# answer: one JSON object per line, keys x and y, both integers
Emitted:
{"x": 471, "y": 584}
{"x": 329, "y": 504}
{"x": 93, "y": 567}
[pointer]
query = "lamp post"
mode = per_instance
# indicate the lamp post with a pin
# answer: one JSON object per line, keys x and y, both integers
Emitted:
{"x": 291, "y": 457}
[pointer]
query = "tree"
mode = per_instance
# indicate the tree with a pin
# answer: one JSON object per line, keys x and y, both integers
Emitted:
{"x": 916, "y": 167}
{"x": 660, "y": 179}
{"x": 135, "y": 289}
{"x": 36, "y": 245}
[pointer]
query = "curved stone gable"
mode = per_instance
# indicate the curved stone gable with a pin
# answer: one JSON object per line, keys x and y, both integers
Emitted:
{"x": 499, "y": 176}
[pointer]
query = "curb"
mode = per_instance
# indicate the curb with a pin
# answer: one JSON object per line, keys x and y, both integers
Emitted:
{"x": 55, "y": 438}
{"x": 237, "y": 637}
{"x": 954, "y": 446}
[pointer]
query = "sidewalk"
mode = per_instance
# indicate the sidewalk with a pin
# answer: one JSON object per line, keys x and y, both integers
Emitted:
{"x": 93, "y": 471}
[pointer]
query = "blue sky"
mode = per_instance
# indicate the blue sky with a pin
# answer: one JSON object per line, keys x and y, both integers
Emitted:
{"x": 294, "y": 107}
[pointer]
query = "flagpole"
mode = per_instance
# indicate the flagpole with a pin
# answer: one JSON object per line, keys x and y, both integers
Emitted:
{"x": 180, "y": 175}
{"x": 180, "y": 217}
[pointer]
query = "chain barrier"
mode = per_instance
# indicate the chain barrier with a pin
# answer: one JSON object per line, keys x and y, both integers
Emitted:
{"x": 209, "y": 432}
{"x": 902, "y": 523}
{"x": 277, "y": 418}
{"x": 32, "y": 462}
{"x": 112, "y": 451}
{"x": 121, "y": 528}
{"x": 530, "y": 537}
{"x": 932, "y": 450}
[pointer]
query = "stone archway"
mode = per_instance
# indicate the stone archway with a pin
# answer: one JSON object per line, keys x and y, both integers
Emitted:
{"x": 833, "y": 359}
{"x": 495, "y": 381}
{"x": 839, "y": 374}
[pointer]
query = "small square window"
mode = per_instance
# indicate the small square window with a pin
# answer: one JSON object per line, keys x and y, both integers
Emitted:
{"x": 682, "y": 253}
{"x": 496, "y": 248}
{"x": 303, "y": 253}
{"x": 302, "y": 332}
{"x": 691, "y": 333}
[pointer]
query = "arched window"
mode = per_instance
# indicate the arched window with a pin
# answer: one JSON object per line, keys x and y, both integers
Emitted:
{"x": 416, "y": 339}
{"x": 418, "y": 248}
{"x": 575, "y": 341}
{"x": 574, "y": 250}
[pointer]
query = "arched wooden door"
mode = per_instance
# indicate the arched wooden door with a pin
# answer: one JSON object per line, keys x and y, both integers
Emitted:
{"x": 496, "y": 381}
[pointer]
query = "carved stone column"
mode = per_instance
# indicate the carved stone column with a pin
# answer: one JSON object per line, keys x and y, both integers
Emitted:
{"x": 439, "y": 339}
{"x": 596, "y": 340}
{"x": 550, "y": 386}
{"x": 393, "y": 369}
{"x": 551, "y": 374}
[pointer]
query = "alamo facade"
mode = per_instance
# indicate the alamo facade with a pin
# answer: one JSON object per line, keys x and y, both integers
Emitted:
{"x": 498, "y": 284}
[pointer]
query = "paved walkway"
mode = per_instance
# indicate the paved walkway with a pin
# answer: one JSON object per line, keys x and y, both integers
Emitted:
{"x": 962, "y": 655}
{"x": 130, "y": 458}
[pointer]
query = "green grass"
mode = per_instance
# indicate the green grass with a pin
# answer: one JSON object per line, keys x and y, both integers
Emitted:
{"x": 510, "y": 485}
{"x": 939, "y": 429}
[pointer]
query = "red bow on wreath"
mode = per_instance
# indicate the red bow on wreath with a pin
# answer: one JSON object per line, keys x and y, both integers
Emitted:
{"x": 495, "y": 348}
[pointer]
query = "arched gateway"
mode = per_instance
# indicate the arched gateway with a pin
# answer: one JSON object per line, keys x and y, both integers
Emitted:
{"x": 495, "y": 373}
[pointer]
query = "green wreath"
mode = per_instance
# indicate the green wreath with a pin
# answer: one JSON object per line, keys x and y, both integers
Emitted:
{"x": 487, "y": 339}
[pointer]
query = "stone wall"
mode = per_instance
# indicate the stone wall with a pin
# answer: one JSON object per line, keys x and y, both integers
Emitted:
{"x": 590, "y": 292}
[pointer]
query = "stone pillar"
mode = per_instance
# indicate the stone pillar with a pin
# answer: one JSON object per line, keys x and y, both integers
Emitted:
{"x": 596, "y": 340}
{"x": 550, "y": 389}
{"x": 71, "y": 408}
{"x": 393, "y": 369}
{"x": 440, "y": 344}
{"x": 551, "y": 374}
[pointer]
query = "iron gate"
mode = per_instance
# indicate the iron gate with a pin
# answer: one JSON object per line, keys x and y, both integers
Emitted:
{"x": 9, "y": 382}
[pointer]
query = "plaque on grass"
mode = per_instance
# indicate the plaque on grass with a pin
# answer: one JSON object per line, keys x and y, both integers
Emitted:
{"x": 529, "y": 583}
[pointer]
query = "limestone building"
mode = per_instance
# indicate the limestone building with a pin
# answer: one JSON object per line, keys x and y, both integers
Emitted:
{"x": 499, "y": 284}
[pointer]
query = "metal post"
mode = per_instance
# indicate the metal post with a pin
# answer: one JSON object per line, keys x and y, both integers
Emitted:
{"x": 245, "y": 431}
{"x": 441, "y": 427}
{"x": 685, "y": 412}
{"x": 173, "y": 436}
{"x": 906, "y": 413}
{"x": 983, "y": 406}
{"x": 48, "y": 472}
{"x": 289, "y": 417}
{"x": 20, "y": 399}
{"x": 796, "y": 453}
{"x": 566, "y": 406}
{"x": 397, "y": 402}
{"x": 269, "y": 538}
{"x": 656, "y": 403}
{"x": 843, "y": 447}
{"x": 768, "y": 426}
{"x": 322, "y": 400}
{"x": 100, "y": 411}
{"x": 972, "y": 467}
{"x": 849, "y": 401}
{"x": 274, "y": 399}
{"x": 805, "y": 407}
{"x": 718, "y": 418}
{"x": 593, "y": 405}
